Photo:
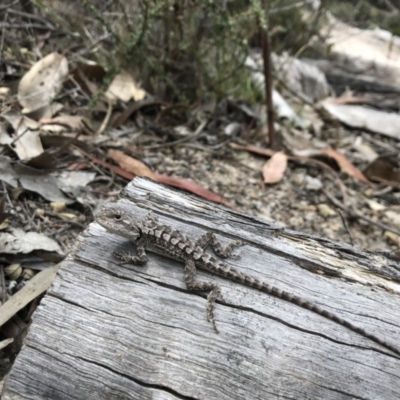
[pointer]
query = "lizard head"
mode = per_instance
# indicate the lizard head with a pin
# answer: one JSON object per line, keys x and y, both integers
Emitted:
{"x": 119, "y": 222}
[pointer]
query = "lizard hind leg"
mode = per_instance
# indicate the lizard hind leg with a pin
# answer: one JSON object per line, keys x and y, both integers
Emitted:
{"x": 223, "y": 252}
{"x": 190, "y": 274}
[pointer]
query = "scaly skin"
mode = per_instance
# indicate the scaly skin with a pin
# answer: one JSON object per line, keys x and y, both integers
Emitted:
{"x": 148, "y": 234}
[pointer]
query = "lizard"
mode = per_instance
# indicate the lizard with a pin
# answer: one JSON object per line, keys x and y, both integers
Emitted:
{"x": 148, "y": 234}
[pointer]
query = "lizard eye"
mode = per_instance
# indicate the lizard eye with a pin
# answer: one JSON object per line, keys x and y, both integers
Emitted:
{"x": 117, "y": 217}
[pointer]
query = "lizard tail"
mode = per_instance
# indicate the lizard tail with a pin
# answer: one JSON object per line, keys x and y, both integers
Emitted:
{"x": 229, "y": 272}
{"x": 327, "y": 314}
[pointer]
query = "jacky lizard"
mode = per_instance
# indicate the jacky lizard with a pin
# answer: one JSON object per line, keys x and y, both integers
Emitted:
{"x": 149, "y": 234}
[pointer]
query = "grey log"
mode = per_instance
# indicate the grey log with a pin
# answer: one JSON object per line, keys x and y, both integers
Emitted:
{"x": 111, "y": 331}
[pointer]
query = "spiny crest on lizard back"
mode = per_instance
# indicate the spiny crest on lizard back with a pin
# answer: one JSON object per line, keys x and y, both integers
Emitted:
{"x": 120, "y": 222}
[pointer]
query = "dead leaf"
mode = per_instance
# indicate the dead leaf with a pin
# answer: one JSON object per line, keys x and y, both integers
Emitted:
{"x": 89, "y": 77}
{"x": 7, "y": 173}
{"x": 45, "y": 160}
{"x": 345, "y": 165}
{"x": 137, "y": 93}
{"x": 22, "y": 135}
{"x": 193, "y": 187}
{"x": 185, "y": 184}
{"x": 69, "y": 179}
{"x": 365, "y": 118}
{"x": 45, "y": 112}
{"x": 383, "y": 171}
{"x": 124, "y": 88}
{"x": 40, "y": 182}
{"x": 117, "y": 170}
{"x": 65, "y": 141}
{"x": 13, "y": 271}
{"x": 132, "y": 109}
{"x": 41, "y": 84}
{"x": 4, "y": 225}
{"x": 392, "y": 238}
{"x": 4, "y": 92}
{"x": 77, "y": 166}
{"x": 275, "y": 168}
{"x": 269, "y": 152}
{"x": 17, "y": 241}
{"x": 57, "y": 206}
{"x": 62, "y": 123}
{"x": 131, "y": 164}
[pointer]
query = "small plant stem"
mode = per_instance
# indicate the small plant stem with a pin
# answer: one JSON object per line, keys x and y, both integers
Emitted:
{"x": 266, "y": 51}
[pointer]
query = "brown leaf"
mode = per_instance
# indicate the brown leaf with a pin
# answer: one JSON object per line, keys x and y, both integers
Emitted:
{"x": 383, "y": 171}
{"x": 345, "y": 165}
{"x": 268, "y": 152}
{"x": 275, "y": 168}
{"x": 117, "y": 170}
{"x": 132, "y": 109}
{"x": 45, "y": 160}
{"x": 131, "y": 164}
{"x": 140, "y": 168}
{"x": 193, "y": 187}
{"x": 89, "y": 77}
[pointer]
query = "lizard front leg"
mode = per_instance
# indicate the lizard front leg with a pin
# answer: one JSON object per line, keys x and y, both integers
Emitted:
{"x": 126, "y": 258}
{"x": 190, "y": 274}
{"x": 223, "y": 252}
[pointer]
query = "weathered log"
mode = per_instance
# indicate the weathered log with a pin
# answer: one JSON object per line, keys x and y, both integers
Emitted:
{"x": 111, "y": 331}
